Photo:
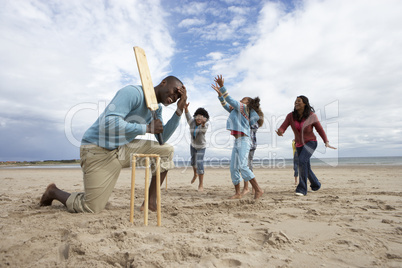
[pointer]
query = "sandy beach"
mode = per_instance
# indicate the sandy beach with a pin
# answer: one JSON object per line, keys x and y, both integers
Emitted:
{"x": 355, "y": 220}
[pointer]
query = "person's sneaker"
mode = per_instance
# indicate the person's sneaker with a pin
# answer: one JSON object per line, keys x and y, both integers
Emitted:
{"x": 299, "y": 194}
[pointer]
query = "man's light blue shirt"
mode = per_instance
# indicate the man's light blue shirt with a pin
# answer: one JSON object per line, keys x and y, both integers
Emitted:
{"x": 126, "y": 117}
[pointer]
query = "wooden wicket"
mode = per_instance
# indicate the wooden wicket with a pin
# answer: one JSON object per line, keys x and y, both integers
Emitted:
{"x": 146, "y": 194}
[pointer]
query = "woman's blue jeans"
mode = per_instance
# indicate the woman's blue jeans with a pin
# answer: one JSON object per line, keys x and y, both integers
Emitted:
{"x": 296, "y": 165}
{"x": 305, "y": 171}
{"x": 197, "y": 159}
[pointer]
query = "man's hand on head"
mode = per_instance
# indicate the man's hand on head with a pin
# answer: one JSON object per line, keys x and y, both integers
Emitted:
{"x": 181, "y": 104}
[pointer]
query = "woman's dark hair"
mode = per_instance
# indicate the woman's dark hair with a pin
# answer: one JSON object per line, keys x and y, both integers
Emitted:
{"x": 255, "y": 105}
{"x": 307, "y": 110}
{"x": 203, "y": 112}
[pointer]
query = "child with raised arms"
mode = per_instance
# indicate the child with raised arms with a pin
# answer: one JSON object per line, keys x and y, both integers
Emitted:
{"x": 198, "y": 127}
{"x": 241, "y": 116}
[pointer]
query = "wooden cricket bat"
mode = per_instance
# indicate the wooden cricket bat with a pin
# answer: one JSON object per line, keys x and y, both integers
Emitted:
{"x": 147, "y": 85}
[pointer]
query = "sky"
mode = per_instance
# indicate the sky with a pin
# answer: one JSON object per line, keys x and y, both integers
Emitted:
{"x": 61, "y": 62}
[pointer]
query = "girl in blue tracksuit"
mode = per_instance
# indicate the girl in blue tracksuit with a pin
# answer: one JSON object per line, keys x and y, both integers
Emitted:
{"x": 242, "y": 115}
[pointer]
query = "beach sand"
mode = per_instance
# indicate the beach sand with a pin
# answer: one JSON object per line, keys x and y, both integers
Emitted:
{"x": 353, "y": 221}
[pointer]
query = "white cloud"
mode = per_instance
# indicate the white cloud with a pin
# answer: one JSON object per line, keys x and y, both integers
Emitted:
{"x": 237, "y": 10}
{"x": 215, "y": 55}
{"x": 333, "y": 50}
{"x": 191, "y": 22}
{"x": 344, "y": 51}
{"x": 193, "y": 8}
{"x": 55, "y": 55}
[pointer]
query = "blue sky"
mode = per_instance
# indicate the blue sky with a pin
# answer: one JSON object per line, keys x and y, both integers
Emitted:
{"x": 61, "y": 62}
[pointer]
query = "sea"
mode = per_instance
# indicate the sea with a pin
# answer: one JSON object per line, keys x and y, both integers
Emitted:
{"x": 257, "y": 163}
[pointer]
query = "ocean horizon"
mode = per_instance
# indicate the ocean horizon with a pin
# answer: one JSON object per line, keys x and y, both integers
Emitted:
{"x": 257, "y": 163}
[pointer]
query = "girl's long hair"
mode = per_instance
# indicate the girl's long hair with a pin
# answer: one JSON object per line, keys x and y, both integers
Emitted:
{"x": 255, "y": 105}
{"x": 307, "y": 110}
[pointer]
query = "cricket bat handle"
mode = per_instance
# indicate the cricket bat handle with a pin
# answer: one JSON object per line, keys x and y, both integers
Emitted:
{"x": 159, "y": 135}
